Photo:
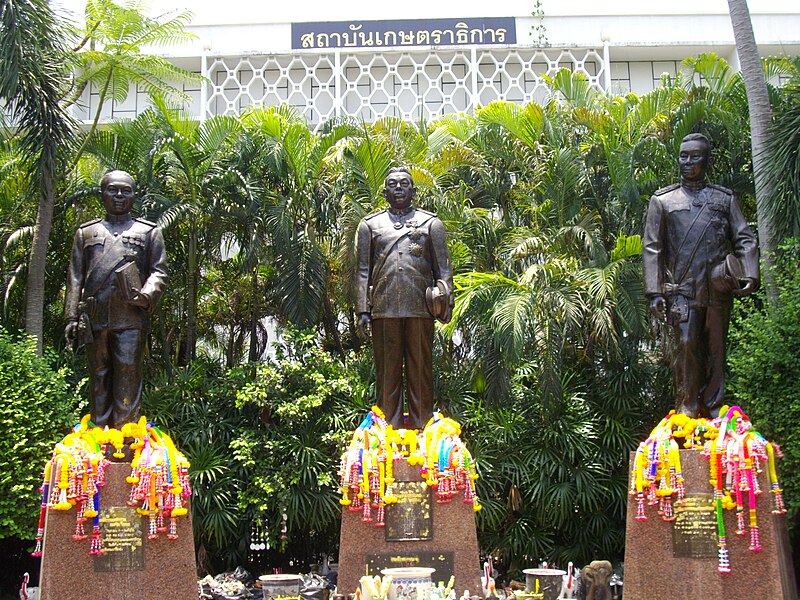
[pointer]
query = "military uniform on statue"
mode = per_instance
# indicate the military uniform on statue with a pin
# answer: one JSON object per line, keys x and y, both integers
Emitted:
{"x": 698, "y": 253}
{"x": 701, "y": 462}
{"x": 392, "y": 525}
{"x": 117, "y": 273}
{"x": 404, "y": 280}
{"x": 128, "y": 483}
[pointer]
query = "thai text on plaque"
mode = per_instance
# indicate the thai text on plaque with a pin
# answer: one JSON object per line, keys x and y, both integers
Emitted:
{"x": 410, "y": 517}
{"x": 694, "y": 531}
{"x": 441, "y": 561}
{"x": 123, "y": 537}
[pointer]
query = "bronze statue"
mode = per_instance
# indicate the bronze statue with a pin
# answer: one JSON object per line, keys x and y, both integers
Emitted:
{"x": 404, "y": 281}
{"x": 117, "y": 273}
{"x": 698, "y": 253}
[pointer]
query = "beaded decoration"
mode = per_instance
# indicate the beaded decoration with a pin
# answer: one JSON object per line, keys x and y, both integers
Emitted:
{"x": 75, "y": 474}
{"x": 73, "y": 477}
{"x": 736, "y": 456}
{"x": 159, "y": 479}
{"x": 736, "y": 453}
{"x": 366, "y": 471}
{"x": 656, "y": 475}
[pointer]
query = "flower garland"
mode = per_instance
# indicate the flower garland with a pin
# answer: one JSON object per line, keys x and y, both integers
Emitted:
{"x": 159, "y": 480}
{"x": 366, "y": 472}
{"x": 736, "y": 453}
{"x": 735, "y": 460}
{"x": 75, "y": 475}
{"x": 656, "y": 472}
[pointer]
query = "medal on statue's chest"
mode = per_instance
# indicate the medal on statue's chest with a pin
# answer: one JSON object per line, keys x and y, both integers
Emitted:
{"x": 415, "y": 235}
{"x": 415, "y": 249}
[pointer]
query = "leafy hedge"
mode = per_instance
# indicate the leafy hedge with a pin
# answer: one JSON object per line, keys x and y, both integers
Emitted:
{"x": 764, "y": 359}
{"x": 37, "y": 407}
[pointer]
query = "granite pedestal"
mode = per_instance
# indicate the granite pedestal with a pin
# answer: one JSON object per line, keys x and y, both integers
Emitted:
{"x": 160, "y": 568}
{"x": 453, "y": 543}
{"x": 663, "y": 563}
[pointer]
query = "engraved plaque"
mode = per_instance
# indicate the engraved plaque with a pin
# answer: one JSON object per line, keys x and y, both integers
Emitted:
{"x": 410, "y": 517}
{"x": 441, "y": 561}
{"x": 694, "y": 531}
{"x": 123, "y": 540}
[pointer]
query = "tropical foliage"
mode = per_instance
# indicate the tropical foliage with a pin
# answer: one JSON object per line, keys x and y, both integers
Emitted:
{"x": 782, "y": 164}
{"x": 253, "y": 363}
{"x": 34, "y": 62}
{"x": 764, "y": 358}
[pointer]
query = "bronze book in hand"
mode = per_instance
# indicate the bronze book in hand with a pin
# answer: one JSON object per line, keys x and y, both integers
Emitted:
{"x": 129, "y": 279}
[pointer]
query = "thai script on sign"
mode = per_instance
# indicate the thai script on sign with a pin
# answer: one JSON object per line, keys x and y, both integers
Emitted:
{"x": 123, "y": 535}
{"x": 409, "y": 32}
{"x": 404, "y": 559}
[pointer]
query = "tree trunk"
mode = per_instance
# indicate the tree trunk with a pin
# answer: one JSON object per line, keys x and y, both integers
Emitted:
{"x": 100, "y": 101}
{"x": 252, "y": 355}
{"x": 230, "y": 355}
{"x": 351, "y": 326}
{"x": 330, "y": 325}
{"x": 34, "y": 309}
{"x": 164, "y": 339}
{"x": 760, "y": 117}
{"x": 191, "y": 299}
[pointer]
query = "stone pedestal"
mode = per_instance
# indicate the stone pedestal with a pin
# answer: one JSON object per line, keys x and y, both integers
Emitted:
{"x": 453, "y": 544}
{"x": 160, "y": 568}
{"x": 656, "y": 561}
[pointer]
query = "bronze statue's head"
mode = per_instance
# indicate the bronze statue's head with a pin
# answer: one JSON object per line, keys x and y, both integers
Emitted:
{"x": 399, "y": 188}
{"x": 118, "y": 191}
{"x": 695, "y": 157}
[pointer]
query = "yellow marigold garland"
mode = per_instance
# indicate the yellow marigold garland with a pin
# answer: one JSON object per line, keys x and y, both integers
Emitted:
{"x": 656, "y": 473}
{"x": 366, "y": 472}
{"x": 736, "y": 452}
{"x": 76, "y": 473}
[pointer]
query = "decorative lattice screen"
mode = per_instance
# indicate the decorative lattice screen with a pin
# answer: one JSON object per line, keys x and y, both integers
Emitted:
{"x": 410, "y": 85}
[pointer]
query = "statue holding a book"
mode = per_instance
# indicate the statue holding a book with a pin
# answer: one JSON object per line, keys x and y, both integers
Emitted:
{"x": 117, "y": 273}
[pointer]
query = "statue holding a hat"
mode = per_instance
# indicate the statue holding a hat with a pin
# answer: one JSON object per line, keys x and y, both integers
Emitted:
{"x": 404, "y": 281}
{"x": 698, "y": 253}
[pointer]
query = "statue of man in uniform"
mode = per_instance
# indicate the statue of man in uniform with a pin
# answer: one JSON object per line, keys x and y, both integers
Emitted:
{"x": 404, "y": 281}
{"x": 698, "y": 253}
{"x": 117, "y": 273}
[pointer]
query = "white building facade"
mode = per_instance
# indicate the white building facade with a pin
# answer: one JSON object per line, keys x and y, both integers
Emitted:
{"x": 437, "y": 60}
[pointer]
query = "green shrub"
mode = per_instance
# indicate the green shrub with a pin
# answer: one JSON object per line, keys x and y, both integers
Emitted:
{"x": 197, "y": 408}
{"x": 37, "y": 408}
{"x": 310, "y": 402}
{"x": 764, "y": 360}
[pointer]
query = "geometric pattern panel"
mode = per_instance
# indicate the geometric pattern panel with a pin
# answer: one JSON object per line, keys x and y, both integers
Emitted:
{"x": 368, "y": 85}
{"x": 409, "y": 85}
{"x": 305, "y": 81}
{"x": 516, "y": 74}
{"x": 406, "y": 84}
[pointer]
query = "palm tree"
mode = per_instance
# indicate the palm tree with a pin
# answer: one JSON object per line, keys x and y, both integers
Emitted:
{"x": 760, "y": 117}
{"x": 552, "y": 320}
{"x": 297, "y": 170}
{"x": 110, "y": 55}
{"x": 190, "y": 156}
{"x": 33, "y": 62}
{"x": 783, "y": 159}
{"x": 247, "y": 240}
{"x": 718, "y": 107}
{"x": 15, "y": 218}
